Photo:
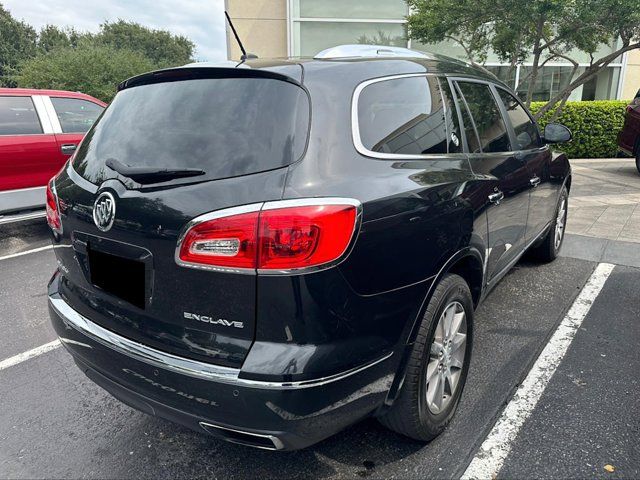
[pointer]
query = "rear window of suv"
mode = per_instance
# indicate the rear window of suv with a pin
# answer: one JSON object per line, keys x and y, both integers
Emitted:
{"x": 227, "y": 127}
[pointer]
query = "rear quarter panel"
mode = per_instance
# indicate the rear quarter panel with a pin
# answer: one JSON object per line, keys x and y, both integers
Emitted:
{"x": 416, "y": 215}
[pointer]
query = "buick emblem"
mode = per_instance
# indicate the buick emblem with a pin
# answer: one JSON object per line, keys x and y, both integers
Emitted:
{"x": 104, "y": 211}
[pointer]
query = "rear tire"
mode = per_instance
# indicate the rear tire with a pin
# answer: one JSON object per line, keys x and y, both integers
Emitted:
{"x": 438, "y": 365}
{"x": 548, "y": 250}
{"x": 638, "y": 155}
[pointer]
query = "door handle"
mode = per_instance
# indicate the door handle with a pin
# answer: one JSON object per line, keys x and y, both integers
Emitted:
{"x": 535, "y": 181}
{"x": 496, "y": 197}
{"x": 68, "y": 148}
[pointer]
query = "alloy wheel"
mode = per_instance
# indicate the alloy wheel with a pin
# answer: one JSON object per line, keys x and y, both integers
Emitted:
{"x": 446, "y": 357}
{"x": 561, "y": 220}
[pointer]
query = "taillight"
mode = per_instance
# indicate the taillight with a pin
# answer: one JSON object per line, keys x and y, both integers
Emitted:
{"x": 223, "y": 242}
{"x": 53, "y": 213}
{"x": 276, "y": 236}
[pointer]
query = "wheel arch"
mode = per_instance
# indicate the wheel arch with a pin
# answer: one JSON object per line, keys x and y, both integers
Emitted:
{"x": 467, "y": 263}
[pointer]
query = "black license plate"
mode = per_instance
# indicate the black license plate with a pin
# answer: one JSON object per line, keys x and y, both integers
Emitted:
{"x": 122, "y": 277}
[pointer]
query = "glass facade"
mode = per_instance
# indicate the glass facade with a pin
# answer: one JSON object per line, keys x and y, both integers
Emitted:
{"x": 315, "y": 25}
{"x": 316, "y": 36}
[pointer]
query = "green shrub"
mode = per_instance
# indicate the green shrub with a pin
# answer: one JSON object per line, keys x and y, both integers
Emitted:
{"x": 92, "y": 69}
{"x": 595, "y": 126}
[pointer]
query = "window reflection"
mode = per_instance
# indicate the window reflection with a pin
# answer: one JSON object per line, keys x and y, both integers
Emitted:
{"x": 403, "y": 116}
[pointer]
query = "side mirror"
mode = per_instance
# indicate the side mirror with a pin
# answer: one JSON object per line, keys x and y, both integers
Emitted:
{"x": 556, "y": 133}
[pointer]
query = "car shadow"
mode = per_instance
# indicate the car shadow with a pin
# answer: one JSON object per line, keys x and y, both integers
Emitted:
{"x": 361, "y": 450}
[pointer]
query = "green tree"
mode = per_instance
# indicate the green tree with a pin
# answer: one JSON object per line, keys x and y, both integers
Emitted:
{"x": 382, "y": 38}
{"x": 17, "y": 43}
{"x": 538, "y": 30}
{"x": 163, "y": 48}
{"x": 89, "y": 68}
{"x": 51, "y": 37}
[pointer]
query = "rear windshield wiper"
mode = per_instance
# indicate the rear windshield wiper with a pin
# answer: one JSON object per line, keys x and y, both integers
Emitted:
{"x": 151, "y": 174}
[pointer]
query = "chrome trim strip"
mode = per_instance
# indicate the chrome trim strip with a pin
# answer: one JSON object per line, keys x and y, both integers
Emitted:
{"x": 277, "y": 443}
{"x": 11, "y": 218}
{"x": 306, "y": 202}
{"x": 355, "y": 126}
{"x": 143, "y": 353}
{"x": 181, "y": 365}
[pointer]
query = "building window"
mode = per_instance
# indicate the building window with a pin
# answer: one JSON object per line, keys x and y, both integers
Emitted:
{"x": 370, "y": 9}
{"x": 316, "y": 25}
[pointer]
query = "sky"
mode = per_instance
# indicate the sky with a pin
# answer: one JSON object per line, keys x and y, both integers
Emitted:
{"x": 200, "y": 20}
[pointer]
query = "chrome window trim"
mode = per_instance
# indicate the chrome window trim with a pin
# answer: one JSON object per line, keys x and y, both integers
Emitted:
{"x": 181, "y": 365}
{"x": 355, "y": 125}
{"x": 272, "y": 205}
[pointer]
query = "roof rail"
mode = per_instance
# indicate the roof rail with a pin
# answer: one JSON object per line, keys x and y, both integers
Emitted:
{"x": 363, "y": 51}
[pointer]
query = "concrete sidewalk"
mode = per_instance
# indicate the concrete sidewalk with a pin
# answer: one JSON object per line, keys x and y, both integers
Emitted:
{"x": 605, "y": 195}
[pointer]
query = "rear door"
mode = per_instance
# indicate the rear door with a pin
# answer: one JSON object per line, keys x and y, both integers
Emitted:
{"x": 242, "y": 130}
{"x": 491, "y": 154}
{"x": 75, "y": 116}
{"x": 27, "y": 144}
{"x": 537, "y": 157}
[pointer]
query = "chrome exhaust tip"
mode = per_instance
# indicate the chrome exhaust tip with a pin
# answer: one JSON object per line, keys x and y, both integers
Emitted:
{"x": 250, "y": 439}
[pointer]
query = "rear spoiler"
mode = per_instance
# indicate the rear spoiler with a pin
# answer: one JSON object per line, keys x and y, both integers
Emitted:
{"x": 195, "y": 73}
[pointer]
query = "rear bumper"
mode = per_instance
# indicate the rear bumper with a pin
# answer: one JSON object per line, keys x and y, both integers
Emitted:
{"x": 217, "y": 400}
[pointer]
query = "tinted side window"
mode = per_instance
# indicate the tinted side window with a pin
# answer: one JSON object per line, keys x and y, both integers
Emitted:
{"x": 453, "y": 125}
{"x": 487, "y": 117}
{"x": 403, "y": 116}
{"x": 469, "y": 127}
{"x": 75, "y": 115}
{"x": 527, "y": 136}
{"x": 18, "y": 116}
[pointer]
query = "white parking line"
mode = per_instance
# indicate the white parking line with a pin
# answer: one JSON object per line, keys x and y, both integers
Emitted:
{"x": 495, "y": 448}
{"x": 24, "y": 356}
{"x": 19, "y": 254}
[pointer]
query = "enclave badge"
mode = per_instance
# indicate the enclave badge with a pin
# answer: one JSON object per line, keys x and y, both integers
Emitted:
{"x": 104, "y": 211}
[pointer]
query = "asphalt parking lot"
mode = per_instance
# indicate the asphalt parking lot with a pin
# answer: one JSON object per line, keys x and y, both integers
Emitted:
{"x": 55, "y": 423}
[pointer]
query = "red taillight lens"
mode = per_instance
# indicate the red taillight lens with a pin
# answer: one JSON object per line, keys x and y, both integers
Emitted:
{"x": 53, "y": 214}
{"x": 307, "y": 236}
{"x": 273, "y": 238}
{"x": 224, "y": 242}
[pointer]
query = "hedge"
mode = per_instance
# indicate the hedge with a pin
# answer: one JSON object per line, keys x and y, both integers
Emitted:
{"x": 595, "y": 126}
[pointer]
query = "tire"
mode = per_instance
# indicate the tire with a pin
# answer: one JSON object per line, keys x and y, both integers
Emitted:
{"x": 547, "y": 251}
{"x": 638, "y": 155}
{"x": 412, "y": 414}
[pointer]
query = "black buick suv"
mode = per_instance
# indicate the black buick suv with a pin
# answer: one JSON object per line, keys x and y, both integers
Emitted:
{"x": 272, "y": 250}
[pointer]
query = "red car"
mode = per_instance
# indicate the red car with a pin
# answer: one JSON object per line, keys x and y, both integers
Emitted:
{"x": 39, "y": 131}
{"x": 629, "y": 137}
